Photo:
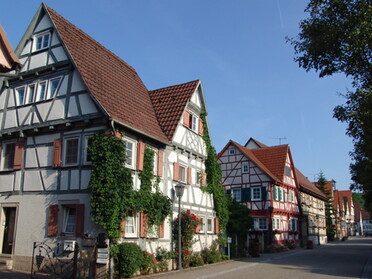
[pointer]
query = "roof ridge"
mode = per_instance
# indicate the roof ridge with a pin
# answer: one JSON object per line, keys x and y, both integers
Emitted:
{"x": 176, "y": 85}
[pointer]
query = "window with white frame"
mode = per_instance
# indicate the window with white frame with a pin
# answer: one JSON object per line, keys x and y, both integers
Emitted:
{"x": 276, "y": 223}
{"x": 7, "y": 156}
{"x": 198, "y": 177}
{"x": 291, "y": 195}
{"x": 42, "y": 41}
{"x": 245, "y": 167}
{"x": 210, "y": 225}
{"x": 53, "y": 86}
{"x": 231, "y": 151}
{"x": 288, "y": 171}
{"x": 193, "y": 122}
{"x": 202, "y": 225}
{"x": 275, "y": 190}
{"x": 87, "y": 156}
{"x": 260, "y": 223}
{"x": 131, "y": 225}
{"x": 293, "y": 224}
{"x": 284, "y": 195}
{"x": 20, "y": 95}
{"x": 155, "y": 162}
{"x": 236, "y": 194}
{"x": 69, "y": 219}
{"x": 182, "y": 174}
{"x": 30, "y": 94}
{"x": 40, "y": 94}
{"x": 130, "y": 151}
{"x": 71, "y": 151}
{"x": 256, "y": 193}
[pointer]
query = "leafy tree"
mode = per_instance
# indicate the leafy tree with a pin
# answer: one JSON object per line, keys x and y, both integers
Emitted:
{"x": 358, "y": 197}
{"x": 329, "y": 211}
{"x": 337, "y": 38}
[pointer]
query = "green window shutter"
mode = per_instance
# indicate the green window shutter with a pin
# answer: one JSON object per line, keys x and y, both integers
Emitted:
{"x": 280, "y": 194}
{"x": 263, "y": 193}
{"x": 246, "y": 194}
{"x": 275, "y": 193}
{"x": 228, "y": 191}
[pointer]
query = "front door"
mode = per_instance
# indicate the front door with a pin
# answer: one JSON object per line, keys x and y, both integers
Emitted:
{"x": 8, "y": 240}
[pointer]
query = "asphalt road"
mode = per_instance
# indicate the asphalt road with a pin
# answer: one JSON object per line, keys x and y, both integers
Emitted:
{"x": 349, "y": 259}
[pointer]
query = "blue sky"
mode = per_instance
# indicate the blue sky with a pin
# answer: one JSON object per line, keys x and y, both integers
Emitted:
{"x": 252, "y": 86}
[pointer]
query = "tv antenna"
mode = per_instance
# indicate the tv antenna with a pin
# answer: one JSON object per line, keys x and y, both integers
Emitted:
{"x": 280, "y": 139}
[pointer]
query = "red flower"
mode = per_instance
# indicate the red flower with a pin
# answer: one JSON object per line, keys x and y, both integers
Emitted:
{"x": 187, "y": 252}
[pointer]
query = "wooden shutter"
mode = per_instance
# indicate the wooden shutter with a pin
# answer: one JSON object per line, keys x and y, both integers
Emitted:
{"x": 228, "y": 191}
{"x": 143, "y": 224}
{"x": 275, "y": 193}
{"x": 18, "y": 155}
{"x": 160, "y": 162}
{"x": 161, "y": 230}
{"x": 53, "y": 220}
{"x": 198, "y": 227}
{"x": 200, "y": 127}
{"x": 263, "y": 193}
{"x": 216, "y": 226}
{"x": 203, "y": 179}
{"x": 186, "y": 119}
{"x": 79, "y": 228}
{"x": 189, "y": 176}
{"x": 140, "y": 155}
{"x": 57, "y": 153}
{"x": 176, "y": 171}
{"x": 246, "y": 194}
{"x": 122, "y": 227}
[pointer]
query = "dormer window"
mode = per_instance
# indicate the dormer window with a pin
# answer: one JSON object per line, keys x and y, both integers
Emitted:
{"x": 42, "y": 41}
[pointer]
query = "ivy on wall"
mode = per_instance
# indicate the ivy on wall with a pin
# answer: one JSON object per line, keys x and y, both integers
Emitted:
{"x": 214, "y": 181}
{"x": 111, "y": 184}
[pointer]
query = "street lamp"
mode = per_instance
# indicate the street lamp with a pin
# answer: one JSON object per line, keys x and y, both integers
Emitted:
{"x": 179, "y": 193}
{"x": 317, "y": 219}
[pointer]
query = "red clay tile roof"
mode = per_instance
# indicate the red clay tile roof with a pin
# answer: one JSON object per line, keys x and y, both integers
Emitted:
{"x": 249, "y": 154}
{"x": 273, "y": 158}
{"x": 11, "y": 59}
{"x": 348, "y": 195}
{"x": 306, "y": 184}
{"x": 357, "y": 209}
{"x": 365, "y": 215}
{"x": 112, "y": 82}
{"x": 169, "y": 104}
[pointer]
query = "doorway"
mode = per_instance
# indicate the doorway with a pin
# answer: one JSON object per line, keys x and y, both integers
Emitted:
{"x": 9, "y": 228}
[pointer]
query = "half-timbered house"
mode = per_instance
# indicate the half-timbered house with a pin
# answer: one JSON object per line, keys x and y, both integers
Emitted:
{"x": 69, "y": 87}
{"x": 263, "y": 178}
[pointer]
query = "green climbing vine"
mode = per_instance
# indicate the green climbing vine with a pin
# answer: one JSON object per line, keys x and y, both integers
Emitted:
{"x": 214, "y": 182}
{"x": 111, "y": 184}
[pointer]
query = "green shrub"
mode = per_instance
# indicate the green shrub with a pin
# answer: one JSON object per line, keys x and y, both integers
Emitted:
{"x": 148, "y": 263}
{"x": 196, "y": 259}
{"x": 211, "y": 255}
{"x": 162, "y": 256}
{"x": 128, "y": 258}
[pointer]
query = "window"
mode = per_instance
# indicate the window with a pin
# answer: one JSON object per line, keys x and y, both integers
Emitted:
{"x": 8, "y": 155}
{"x": 198, "y": 177}
{"x": 209, "y": 225}
{"x": 40, "y": 96}
{"x": 71, "y": 155}
{"x": 237, "y": 194}
{"x": 288, "y": 171}
{"x": 182, "y": 173}
{"x": 69, "y": 219}
{"x": 280, "y": 194}
{"x": 256, "y": 193}
{"x": 20, "y": 95}
{"x": 42, "y": 41}
{"x": 275, "y": 190}
{"x": 260, "y": 223}
{"x": 231, "y": 151}
{"x": 53, "y": 86}
{"x": 202, "y": 220}
{"x": 244, "y": 167}
{"x": 293, "y": 224}
{"x": 131, "y": 225}
{"x": 276, "y": 223}
{"x": 129, "y": 146}
{"x": 291, "y": 195}
{"x": 193, "y": 123}
{"x": 87, "y": 156}
{"x": 30, "y": 94}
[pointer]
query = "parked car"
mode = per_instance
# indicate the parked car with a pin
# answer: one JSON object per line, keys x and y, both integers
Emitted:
{"x": 368, "y": 233}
